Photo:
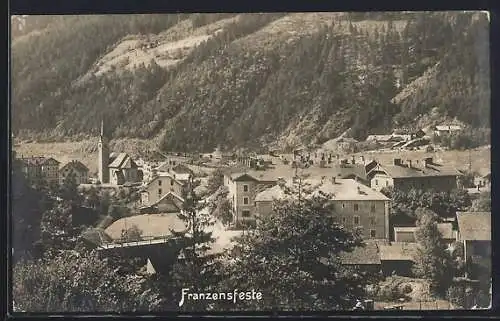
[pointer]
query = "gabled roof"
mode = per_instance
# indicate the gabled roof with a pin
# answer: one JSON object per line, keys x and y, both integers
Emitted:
{"x": 398, "y": 251}
{"x": 76, "y": 165}
{"x": 163, "y": 175}
{"x": 368, "y": 254}
{"x": 170, "y": 195}
{"x": 123, "y": 160}
{"x": 474, "y": 226}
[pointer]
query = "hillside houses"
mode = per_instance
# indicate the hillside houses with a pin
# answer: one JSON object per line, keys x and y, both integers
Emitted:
{"x": 405, "y": 175}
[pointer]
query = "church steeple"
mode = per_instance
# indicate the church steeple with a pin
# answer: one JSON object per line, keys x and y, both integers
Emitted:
{"x": 103, "y": 156}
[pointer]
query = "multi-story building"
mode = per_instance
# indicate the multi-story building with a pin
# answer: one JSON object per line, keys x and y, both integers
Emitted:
{"x": 75, "y": 168}
{"x": 161, "y": 185}
{"x": 408, "y": 175}
{"x": 243, "y": 188}
{"x": 356, "y": 205}
{"x": 38, "y": 169}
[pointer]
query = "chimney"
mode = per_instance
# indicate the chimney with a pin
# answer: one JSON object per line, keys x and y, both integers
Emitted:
{"x": 397, "y": 161}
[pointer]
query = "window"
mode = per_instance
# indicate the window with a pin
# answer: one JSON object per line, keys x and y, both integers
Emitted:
{"x": 372, "y": 208}
{"x": 344, "y": 220}
{"x": 159, "y": 192}
{"x": 343, "y": 205}
{"x": 159, "y": 182}
{"x": 373, "y": 233}
{"x": 386, "y": 183}
{"x": 356, "y": 207}
{"x": 245, "y": 200}
{"x": 356, "y": 220}
{"x": 245, "y": 213}
{"x": 171, "y": 182}
{"x": 245, "y": 188}
{"x": 372, "y": 220}
{"x": 376, "y": 182}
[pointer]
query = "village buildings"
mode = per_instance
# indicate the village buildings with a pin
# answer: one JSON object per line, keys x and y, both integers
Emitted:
{"x": 413, "y": 174}
{"x": 243, "y": 188}
{"x": 115, "y": 169}
{"x": 76, "y": 169}
{"x": 154, "y": 193}
{"x": 40, "y": 169}
{"x": 356, "y": 205}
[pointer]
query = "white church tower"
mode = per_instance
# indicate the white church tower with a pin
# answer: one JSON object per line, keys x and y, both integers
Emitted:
{"x": 103, "y": 158}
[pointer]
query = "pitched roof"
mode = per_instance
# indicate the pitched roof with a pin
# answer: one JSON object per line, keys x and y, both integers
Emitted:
{"x": 163, "y": 174}
{"x": 76, "y": 165}
{"x": 378, "y": 137}
{"x": 123, "y": 160}
{"x": 170, "y": 195}
{"x": 398, "y": 251}
{"x": 396, "y": 171}
{"x": 368, "y": 254}
{"x": 270, "y": 194}
{"x": 474, "y": 226}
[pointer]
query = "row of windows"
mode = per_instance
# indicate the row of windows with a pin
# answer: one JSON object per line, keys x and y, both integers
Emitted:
{"x": 171, "y": 182}
{"x": 356, "y": 220}
{"x": 356, "y": 207}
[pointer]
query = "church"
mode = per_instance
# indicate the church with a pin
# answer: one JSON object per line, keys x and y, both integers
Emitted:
{"x": 115, "y": 168}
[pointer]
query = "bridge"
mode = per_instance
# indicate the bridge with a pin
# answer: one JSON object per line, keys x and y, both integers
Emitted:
{"x": 161, "y": 252}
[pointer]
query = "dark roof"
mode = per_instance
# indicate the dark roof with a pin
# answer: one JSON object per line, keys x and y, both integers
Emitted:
{"x": 368, "y": 254}
{"x": 474, "y": 226}
{"x": 396, "y": 171}
{"x": 76, "y": 165}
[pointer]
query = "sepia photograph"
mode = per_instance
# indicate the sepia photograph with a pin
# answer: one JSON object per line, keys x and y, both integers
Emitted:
{"x": 228, "y": 162}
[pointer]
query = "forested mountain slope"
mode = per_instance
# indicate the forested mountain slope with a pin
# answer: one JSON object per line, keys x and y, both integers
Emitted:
{"x": 194, "y": 81}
